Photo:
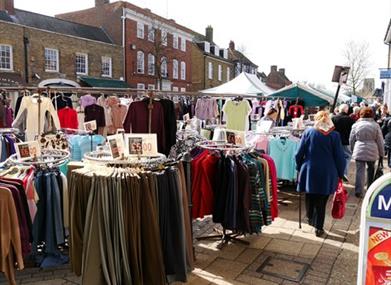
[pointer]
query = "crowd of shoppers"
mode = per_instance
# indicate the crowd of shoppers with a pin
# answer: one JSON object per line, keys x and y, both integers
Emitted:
{"x": 360, "y": 132}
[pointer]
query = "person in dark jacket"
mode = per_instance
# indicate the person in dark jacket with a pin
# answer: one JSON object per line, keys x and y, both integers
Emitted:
{"x": 343, "y": 125}
{"x": 320, "y": 162}
{"x": 386, "y": 130}
{"x": 366, "y": 141}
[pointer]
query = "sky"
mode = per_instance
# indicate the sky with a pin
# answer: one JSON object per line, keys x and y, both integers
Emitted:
{"x": 306, "y": 37}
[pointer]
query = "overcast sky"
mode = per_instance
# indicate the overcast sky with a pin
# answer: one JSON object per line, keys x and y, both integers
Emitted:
{"x": 306, "y": 37}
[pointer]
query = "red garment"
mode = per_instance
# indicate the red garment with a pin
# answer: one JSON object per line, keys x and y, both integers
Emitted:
{"x": 68, "y": 118}
{"x": 204, "y": 173}
{"x": 136, "y": 121}
{"x": 295, "y": 111}
{"x": 274, "y": 190}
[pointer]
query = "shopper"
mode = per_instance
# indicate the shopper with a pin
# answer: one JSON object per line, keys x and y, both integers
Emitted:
{"x": 320, "y": 162}
{"x": 367, "y": 144}
{"x": 386, "y": 130}
{"x": 383, "y": 115}
{"x": 356, "y": 113}
{"x": 271, "y": 115}
{"x": 343, "y": 125}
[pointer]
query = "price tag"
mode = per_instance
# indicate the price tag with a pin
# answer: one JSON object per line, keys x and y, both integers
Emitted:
{"x": 142, "y": 144}
{"x": 235, "y": 137}
{"x": 117, "y": 146}
{"x": 27, "y": 150}
{"x": 90, "y": 126}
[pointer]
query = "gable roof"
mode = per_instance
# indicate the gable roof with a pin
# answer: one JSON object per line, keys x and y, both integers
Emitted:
{"x": 237, "y": 55}
{"x": 243, "y": 84}
{"x": 47, "y": 23}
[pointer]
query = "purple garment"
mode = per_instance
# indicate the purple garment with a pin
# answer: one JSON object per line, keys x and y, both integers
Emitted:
{"x": 11, "y": 142}
{"x": 9, "y": 117}
{"x": 87, "y": 100}
{"x": 206, "y": 109}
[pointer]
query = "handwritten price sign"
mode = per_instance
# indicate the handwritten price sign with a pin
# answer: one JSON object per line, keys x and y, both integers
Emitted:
{"x": 142, "y": 144}
{"x": 117, "y": 146}
{"x": 235, "y": 137}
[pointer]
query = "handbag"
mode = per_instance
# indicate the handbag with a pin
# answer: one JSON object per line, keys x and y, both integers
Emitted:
{"x": 339, "y": 201}
{"x": 379, "y": 171}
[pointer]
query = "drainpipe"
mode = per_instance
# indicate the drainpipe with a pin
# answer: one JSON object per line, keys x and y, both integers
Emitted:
{"x": 26, "y": 61}
{"x": 124, "y": 44}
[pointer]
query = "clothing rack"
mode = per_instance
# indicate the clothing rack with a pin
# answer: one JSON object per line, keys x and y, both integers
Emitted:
{"x": 104, "y": 157}
{"x": 123, "y": 92}
{"x": 49, "y": 157}
{"x": 223, "y": 235}
{"x": 9, "y": 131}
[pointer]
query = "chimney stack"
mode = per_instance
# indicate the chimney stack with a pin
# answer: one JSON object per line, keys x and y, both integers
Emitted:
{"x": 282, "y": 71}
{"x": 209, "y": 33}
{"x": 99, "y": 3}
{"x": 232, "y": 45}
{"x": 7, "y": 5}
{"x": 273, "y": 68}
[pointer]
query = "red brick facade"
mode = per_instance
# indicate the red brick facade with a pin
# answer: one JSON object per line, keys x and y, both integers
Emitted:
{"x": 148, "y": 47}
{"x": 108, "y": 16}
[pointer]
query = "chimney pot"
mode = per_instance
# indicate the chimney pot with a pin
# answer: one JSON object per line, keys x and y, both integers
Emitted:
{"x": 7, "y": 5}
{"x": 281, "y": 70}
{"x": 209, "y": 33}
{"x": 99, "y": 3}
{"x": 273, "y": 68}
{"x": 232, "y": 45}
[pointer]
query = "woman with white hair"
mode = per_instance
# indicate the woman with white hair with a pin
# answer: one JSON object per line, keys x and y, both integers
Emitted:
{"x": 320, "y": 162}
{"x": 356, "y": 113}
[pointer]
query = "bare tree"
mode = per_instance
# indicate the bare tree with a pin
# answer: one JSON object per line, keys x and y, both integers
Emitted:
{"x": 358, "y": 59}
{"x": 160, "y": 50}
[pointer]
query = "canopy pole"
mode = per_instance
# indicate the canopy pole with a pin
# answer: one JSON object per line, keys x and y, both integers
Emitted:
{"x": 335, "y": 98}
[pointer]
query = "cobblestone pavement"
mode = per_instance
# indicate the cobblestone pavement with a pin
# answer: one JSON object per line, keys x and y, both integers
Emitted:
{"x": 331, "y": 259}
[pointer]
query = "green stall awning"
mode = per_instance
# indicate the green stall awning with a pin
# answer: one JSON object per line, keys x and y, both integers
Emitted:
{"x": 103, "y": 82}
{"x": 311, "y": 97}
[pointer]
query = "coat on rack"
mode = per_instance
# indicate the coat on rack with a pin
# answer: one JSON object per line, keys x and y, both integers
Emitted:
{"x": 28, "y": 112}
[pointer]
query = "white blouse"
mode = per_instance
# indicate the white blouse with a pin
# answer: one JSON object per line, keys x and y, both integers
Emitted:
{"x": 28, "y": 114}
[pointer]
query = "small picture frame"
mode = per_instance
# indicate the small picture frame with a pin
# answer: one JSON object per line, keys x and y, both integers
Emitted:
{"x": 28, "y": 150}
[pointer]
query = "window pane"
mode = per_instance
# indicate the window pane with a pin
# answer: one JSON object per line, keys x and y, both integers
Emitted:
{"x": 51, "y": 60}
{"x": 106, "y": 66}
{"x": 5, "y": 57}
{"x": 140, "y": 62}
{"x": 81, "y": 63}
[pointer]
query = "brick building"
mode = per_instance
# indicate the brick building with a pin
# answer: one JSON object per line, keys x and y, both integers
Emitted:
{"x": 157, "y": 50}
{"x": 41, "y": 50}
{"x": 241, "y": 62}
{"x": 277, "y": 79}
{"x": 210, "y": 64}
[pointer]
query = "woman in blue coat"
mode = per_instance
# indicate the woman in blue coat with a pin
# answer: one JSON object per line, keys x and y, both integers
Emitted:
{"x": 320, "y": 162}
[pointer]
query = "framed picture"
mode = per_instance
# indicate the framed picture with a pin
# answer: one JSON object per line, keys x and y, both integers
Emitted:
{"x": 28, "y": 150}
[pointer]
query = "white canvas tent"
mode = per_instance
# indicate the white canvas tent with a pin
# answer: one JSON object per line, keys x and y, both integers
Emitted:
{"x": 244, "y": 84}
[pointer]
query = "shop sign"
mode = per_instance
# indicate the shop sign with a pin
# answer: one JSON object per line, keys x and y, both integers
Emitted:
{"x": 375, "y": 234}
{"x": 141, "y": 144}
{"x": 8, "y": 79}
{"x": 385, "y": 73}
